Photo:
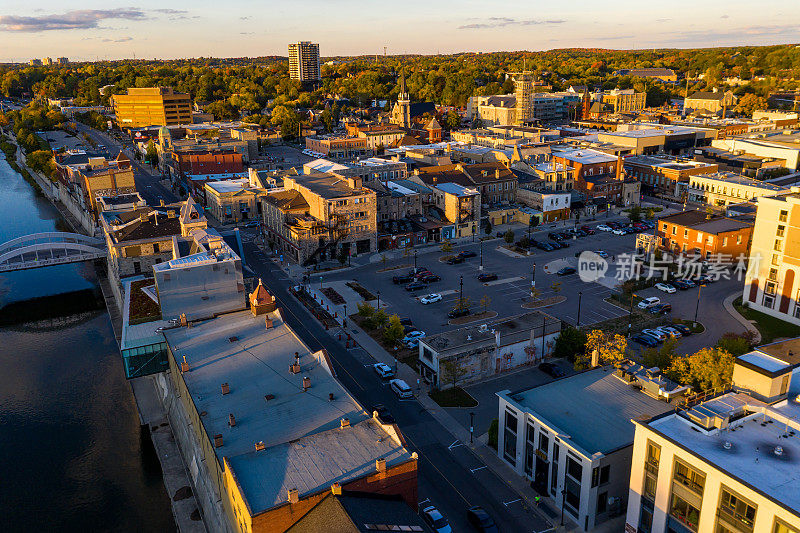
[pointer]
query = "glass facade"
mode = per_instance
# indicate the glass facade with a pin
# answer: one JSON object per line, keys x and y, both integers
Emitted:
{"x": 144, "y": 360}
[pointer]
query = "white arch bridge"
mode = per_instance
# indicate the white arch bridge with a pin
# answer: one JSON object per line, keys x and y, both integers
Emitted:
{"x": 51, "y": 248}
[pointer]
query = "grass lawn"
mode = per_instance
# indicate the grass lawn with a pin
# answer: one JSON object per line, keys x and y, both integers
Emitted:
{"x": 771, "y": 328}
{"x": 453, "y": 397}
{"x": 695, "y": 327}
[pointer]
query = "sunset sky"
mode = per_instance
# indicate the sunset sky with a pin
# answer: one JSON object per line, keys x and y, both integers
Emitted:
{"x": 114, "y": 30}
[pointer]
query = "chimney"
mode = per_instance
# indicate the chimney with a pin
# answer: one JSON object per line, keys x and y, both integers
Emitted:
{"x": 268, "y": 322}
{"x": 294, "y": 496}
{"x": 306, "y": 383}
{"x": 225, "y": 388}
{"x": 231, "y": 420}
{"x": 380, "y": 465}
{"x": 344, "y": 423}
{"x": 184, "y": 366}
{"x": 336, "y": 489}
{"x": 260, "y": 445}
{"x": 218, "y": 440}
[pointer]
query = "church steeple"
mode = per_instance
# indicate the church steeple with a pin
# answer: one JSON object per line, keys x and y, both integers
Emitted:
{"x": 401, "y": 114}
{"x": 403, "y": 96}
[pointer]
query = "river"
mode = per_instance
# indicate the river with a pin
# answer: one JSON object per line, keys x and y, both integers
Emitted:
{"x": 72, "y": 455}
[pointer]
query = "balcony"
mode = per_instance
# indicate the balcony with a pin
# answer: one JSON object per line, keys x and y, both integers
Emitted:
{"x": 737, "y": 520}
{"x": 651, "y": 468}
{"x": 691, "y": 484}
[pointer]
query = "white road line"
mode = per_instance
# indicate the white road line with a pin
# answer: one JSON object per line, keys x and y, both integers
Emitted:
{"x": 455, "y": 444}
{"x": 512, "y": 501}
{"x": 473, "y": 470}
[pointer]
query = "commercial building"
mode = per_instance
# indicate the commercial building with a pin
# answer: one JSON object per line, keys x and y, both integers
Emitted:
{"x": 151, "y": 106}
{"x": 727, "y": 188}
{"x": 663, "y": 74}
{"x": 266, "y": 428}
{"x": 665, "y": 175}
{"x": 233, "y": 201}
{"x": 596, "y": 174}
{"x": 727, "y": 464}
{"x": 556, "y": 176}
{"x": 704, "y": 235}
{"x": 317, "y": 216}
{"x": 625, "y": 100}
{"x": 485, "y": 350}
{"x": 378, "y": 136}
{"x": 712, "y": 102}
{"x": 461, "y": 207}
{"x": 573, "y": 439}
{"x": 554, "y": 205}
{"x": 771, "y": 285}
{"x": 649, "y": 139}
{"x": 304, "y": 62}
{"x": 338, "y": 147}
{"x": 784, "y": 144}
{"x": 496, "y": 110}
{"x": 739, "y": 162}
{"x": 368, "y": 169}
{"x": 495, "y": 181}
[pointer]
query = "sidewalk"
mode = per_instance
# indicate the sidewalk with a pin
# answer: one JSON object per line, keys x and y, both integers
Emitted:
{"x": 728, "y": 304}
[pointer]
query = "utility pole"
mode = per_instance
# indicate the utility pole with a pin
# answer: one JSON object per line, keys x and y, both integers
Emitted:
{"x": 533, "y": 276}
{"x": 481, "y": 248}
{"x": 697, "y": 306}
{"x": 580, "y": 295}
{"x": 461, "y": 292}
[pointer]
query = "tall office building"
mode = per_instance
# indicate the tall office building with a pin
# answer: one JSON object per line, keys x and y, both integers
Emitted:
{"x": 304, "y": 61}
{"x": 152, "y": 106}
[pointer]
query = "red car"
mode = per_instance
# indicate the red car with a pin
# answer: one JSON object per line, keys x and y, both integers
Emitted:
{"x": 588, "y": 230}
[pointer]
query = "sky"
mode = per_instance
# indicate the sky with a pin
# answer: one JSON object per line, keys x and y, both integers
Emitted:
{"x": 88, "y": 30}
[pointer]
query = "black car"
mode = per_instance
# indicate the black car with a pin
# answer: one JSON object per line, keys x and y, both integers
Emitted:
{"x": 467, "y": 253}
{"x": 406, "y": 321}
{"x": 679, "y": 284}
{"x": 645, "y": 340}
{"x": 429, "y": 277}
{"x": 660, "y": 309}
{"x": 456, "y": 313}
{"x": 683, "y": 328}
{"x": 554, "y": 236}
{"x": 551, "y": 369}
{"x": 481, "y": 520}
{"x": 689, "y": 282}
{"x": 556, "y": 245}
{"x": 454, "y": 260}
{"x": 402, "y": 278}
{"x": 416, "y": 286}
{"x": 487, "y": 277}
{"x": 563, "y": 244}
{"x": 566, "y": 271}
{"x": 383, "y": 413}
{"x": 543, "y": 246}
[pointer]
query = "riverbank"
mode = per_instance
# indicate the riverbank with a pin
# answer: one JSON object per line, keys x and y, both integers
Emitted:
{"x": 46, "y": 308}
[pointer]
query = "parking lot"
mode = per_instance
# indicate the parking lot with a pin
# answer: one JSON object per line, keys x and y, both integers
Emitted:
{"x": 507, "y": 293}
{"x": 286, "y": 156}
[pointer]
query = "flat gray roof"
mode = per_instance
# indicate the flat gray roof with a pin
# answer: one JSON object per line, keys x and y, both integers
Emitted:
{"x": 594, "y": 408}
{"x": 238, "y": 349}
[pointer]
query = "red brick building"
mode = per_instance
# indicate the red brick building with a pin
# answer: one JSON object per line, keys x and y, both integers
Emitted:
{"x": 597, "y": 174}
{"x": 201, "y": 162}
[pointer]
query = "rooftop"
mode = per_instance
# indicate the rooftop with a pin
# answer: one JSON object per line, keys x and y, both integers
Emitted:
{"x": 746, "y": 451}
{"x": 672, "y": 163}
{"x": 229, "y": 186}
{"x": 593, "y": 409}
{"x": 299, "y": 428}
{"x": 702, "y": 221}
{"x": 737, "y": 179}
{"x": 510, "y": 330}
{"x": 456, "y": 189}
{"x": 325, "y": 165}
{"x": 586, "y": 157}
{"x": 327, "y": 186}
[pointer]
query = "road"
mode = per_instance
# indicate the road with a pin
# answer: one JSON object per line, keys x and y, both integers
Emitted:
{"x": 148, "y": 186}
{"x": 449, "y": 474}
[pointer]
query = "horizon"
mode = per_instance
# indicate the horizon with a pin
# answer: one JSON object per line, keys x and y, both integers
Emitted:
{"x": 344, "y": 28}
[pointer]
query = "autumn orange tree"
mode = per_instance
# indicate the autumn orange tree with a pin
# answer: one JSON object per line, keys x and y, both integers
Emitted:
{"x": 610, "y": 348}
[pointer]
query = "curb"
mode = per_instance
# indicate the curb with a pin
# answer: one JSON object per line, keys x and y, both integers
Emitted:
{"x": 728, "y": 304}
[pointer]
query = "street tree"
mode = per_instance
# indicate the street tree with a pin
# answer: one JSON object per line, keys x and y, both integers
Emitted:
{"x": 488, "y": 228}
{"x": 486, "y": 301}
{"x": 556, "y": 287}
{"x": 454, "y": 370}
{"x": 635, "y": 213}
{"x": 365, "y": 310}
{"x": 706, "y": 369}
{"x": 610, "y": 347}
{"x": 393, "y": 331}
{"x": 447, "y": 247}
{"x": 509, "y": 236}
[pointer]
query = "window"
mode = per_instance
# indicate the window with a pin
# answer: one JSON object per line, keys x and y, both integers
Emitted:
{"x": 649, "y": 487}
{"x": 685, "y": 233}
{"x": 155, "y": 247}
{"x": 544, "y": 442}
{"x": 724, "y": 241}
{"x": 554, "y": 469}
{"x": 781, "y": 230}
{"x": 783, "y": 527}
{"x": 783, "y": 215}
{"x": 685, "y": 512}
{"x": 776, "y": 259}
{"x": 137, "y": 267}
{"x": 773, "y": 274}
{"x": 602, "y": 502}
{"x": 689, "y": 477}
{"x": 605, "y": 472}
{"x": 736, "y": 511}
{"x": 510, "y": 439}
{"x": 574, "y": 468}
{"x": 769, "y": 301}
{"x": 777, "y": 246}
{"x": 769, "y": 287}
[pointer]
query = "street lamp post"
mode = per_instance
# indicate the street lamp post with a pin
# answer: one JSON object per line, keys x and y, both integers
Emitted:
{"x": 379, "y": 300}
{"x": 471, "y": 426}
{"x": 697, "y": 305}
{"x": 344, "y": 318}
{"x": 630, "y": 315}
{"x": 415, "y": 261}
{"x": 481, "y": 250}
{"x": 533, "y": 275}
{"x": 461, "y": 291}
{"x": 580, "y": 295}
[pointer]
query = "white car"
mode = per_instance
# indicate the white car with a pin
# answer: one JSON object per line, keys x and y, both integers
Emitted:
{"x": 430, "y": 298}
{"x": 668, "y": 331}
{"x": 383, "y": 370}
{"x": 604, "y": 227}
{"x": 412, "y": 338}
{"x": 656, "y": 333}
{"x": 619, "y": 231}
{"x": 666, "y": 287}
{"x": 647, "y": 303}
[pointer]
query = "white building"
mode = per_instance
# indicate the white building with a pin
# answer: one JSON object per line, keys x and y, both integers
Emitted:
{"x": 730, "y": 464}
{"x": 573, "y": 438}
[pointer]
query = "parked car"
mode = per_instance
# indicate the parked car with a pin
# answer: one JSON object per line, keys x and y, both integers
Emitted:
{"x": 551, "y": 369}
{"x": 668, "y": 331}
{"x": 588, "y": 230}
{"x": 554, "y": 236}
{"x": 383, "y": 370}
{"x": 546, "y": 246}
{"x": 481, "y": 520}
{"x": 431, "y": 298}
{"x": 434, "y": 518}
{"x": 661, "y": 336}
{"x": 556, "y": 245}
{"x": 645, "y": 340}
{"x": 689, "y": 282}
{"x": 683, "y": 328}
{"x": 411, "y": 339}
{"x": 647, "y": 303}
{"x": 660, "y": 309}
{"x": 416, "y": 286}
{"x": 666, "y": 287}
{"x": 383, "y": 413}
{"x": 604, "y": 227}
{"x": 405, "y": 321}
{"x": 456, "y": 313}
{"x": 563, "y": 244}
{"x": 601, "y": 253}
{"x": 454, "y": 260}
{"x": 486, "y": 276}
{"x": 429, "y": 277}
{"x": 566, "y": 271}
{"x": 402, "y": 278}
{"x": 467, "y": 253}
{"x": 401, "y": 388}
{"x": 619, "y": 231}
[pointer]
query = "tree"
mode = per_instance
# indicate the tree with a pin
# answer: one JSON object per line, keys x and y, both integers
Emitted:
{"x": 535, "y": 293}
{"x": 488, "y": 228}
{"x": 635, "y": 213}
{"x": 532, "y": 223}
{"x": 379, "y": 319}
{"x": 749, "y": 103}
{"x": 570, "y": 343}
{"x": 393, "y": 331}
{"x": 556, "y": 287}
{"x": 41, "y": 161}
{"x": 477, "y": 123}
{"x": 453, "y": 120}
{"x": 486, "y": 301}
{"x": 342, "y": 256}
{"x": 661, "y": 357}
{"x": 650, "y": 214}
{"x": 463, "y": 303}
{"x": 453, "y": 371}
{"x": 151, "y": 154}
{"x": 509, "y": 237}
{"x": 365, "y": 310}
{"x": 734, "y": 344}
{"x": 706, "y": 369}
{"x": 610, "y": 347}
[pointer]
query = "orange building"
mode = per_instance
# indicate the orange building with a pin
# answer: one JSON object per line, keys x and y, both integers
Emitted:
{"x": 703, "y": 235}
{"x": 152, "y": 106}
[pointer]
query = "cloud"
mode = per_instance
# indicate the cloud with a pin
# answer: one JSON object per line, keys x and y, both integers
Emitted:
{"x": 120, "y": 40}
{"x": 663, "y": 20}
{"x": 502, "y": 22}
{"x": 71, "y": 20}
{"x": 725, "y": 17}
{"x": 245, "y": 18}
